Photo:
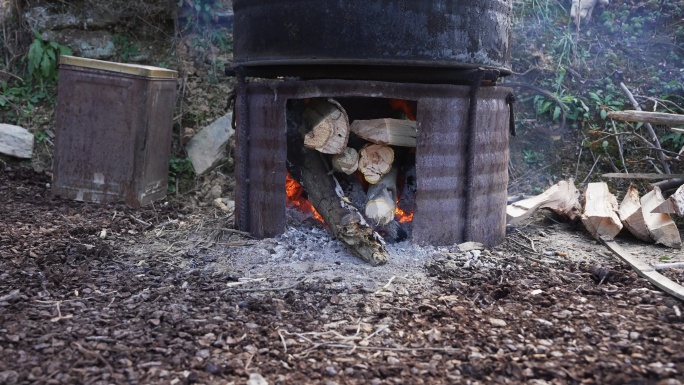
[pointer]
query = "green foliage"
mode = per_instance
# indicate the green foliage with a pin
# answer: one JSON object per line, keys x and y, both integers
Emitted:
{"x": 42, "y": 59}
{"x": 178, "y": 167}
{"x": 125, "y": 49}
{"x": 606, "y": 101}
{"x": 203, "y": 10}
{"x": 675, "y": 139}
{"x": 532, "y": 157}
{"x": 19, "y": 97}
{"x": 575, "y": 108}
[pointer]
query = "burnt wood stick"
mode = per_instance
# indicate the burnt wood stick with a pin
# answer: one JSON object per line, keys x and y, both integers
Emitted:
{"x": 344, "y": 220}
{"x": 668, "y": 184}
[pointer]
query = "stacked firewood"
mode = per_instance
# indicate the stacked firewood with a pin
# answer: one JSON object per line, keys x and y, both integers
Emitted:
{"x": 368, "y": 148}
{"x": 646, "y": 217}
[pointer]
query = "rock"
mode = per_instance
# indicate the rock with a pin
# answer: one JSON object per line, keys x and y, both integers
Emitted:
{"x": 16, "y": 141}
{"x": 499, "y": 323}
{"x": 87, "y": 44}
{"x": 225, "y": 204}
{"x": 256, "y": 379}
{"x": 207, "y": 148}
{"x": 52, "y": 19}
{"x": 468, "y": 246}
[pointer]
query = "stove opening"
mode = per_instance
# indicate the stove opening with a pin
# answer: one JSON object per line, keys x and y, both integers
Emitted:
{"x": 367, "y": 147}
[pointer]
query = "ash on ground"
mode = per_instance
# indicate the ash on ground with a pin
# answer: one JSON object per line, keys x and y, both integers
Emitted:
{"x": 307, "y": 252}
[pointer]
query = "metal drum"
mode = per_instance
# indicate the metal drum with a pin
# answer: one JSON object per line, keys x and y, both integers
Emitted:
{"x": 406, "y": 40}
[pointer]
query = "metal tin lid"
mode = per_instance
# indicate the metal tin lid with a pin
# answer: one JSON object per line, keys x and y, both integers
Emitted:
{"x": 131, "y": 69}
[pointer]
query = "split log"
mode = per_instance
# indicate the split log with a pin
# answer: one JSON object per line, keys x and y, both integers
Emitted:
{"x": 346, "y": 162}
{"x": 345, "y": 221}
{"x": 562, "y": 198}
{"x": 600, "y": 216}
{"x": 661, "y": 227}
{"x": 327, "y": 126}
{"x": 672, "y": 205}
{"x": 375, "y": 160}
{"x": 632, "y": 216}
{"x": 382, "y": 198}
{"x": 393, "y": 132}
{"x": 647, "y": 117}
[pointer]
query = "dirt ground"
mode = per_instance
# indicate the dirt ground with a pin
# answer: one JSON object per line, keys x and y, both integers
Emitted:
{"x": 170, "y": 294}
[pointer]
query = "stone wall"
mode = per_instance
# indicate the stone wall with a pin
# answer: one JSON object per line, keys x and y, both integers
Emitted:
{"x": 113, "y": 29}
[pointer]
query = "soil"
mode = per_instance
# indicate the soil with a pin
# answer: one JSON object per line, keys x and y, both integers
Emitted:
{"x": 171, "y": 294}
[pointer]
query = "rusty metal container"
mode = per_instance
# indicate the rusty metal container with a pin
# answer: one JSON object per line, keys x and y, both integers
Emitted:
{"x": 113, "y": 131}
{"x": 402, "y": 40}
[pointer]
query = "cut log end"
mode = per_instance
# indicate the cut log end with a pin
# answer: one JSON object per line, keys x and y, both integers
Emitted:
{"x": 660, "y": 226}
{"x": 328, "y": 127}
{"x": 600, "y": 215}
{"x": 375, "y": 161}
{"x": 631, "y": 215}
{"x": 347, "y": 162}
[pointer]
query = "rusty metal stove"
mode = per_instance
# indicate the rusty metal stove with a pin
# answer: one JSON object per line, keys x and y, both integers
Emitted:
{"x": 444, "y": 55}
{"x": 461, "y": 168}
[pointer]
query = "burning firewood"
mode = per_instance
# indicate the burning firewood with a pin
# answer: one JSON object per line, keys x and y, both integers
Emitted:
{"x": 661, "y": 227}
{"x": 344, "y": 220}
{"x": 327, "y": 126}
{"x": 393, "y": 132}
{"x": 382, "y": 198}
{"x": 562, "y": 198}
{"x": 600, "y": 216}
{"x": 632, "y": 216}
{"x": 375, "y": 160}
{"x": 672, "y": 205}
{"x": 346, "y": 162}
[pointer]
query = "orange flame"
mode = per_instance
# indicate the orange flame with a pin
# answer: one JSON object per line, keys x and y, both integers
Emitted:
{"x": 295, "y": 192}
{"x": 405, "y": 107}
{"x": 402, "y": 216}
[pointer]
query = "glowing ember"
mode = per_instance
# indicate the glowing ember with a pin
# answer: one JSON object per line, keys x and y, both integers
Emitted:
{"x": 295, "y": 192}
{"x": 405, "y": 107}
{"x": 402, "y": 216}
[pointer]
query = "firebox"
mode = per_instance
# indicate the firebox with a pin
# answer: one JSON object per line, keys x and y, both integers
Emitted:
{"x": 442, "y": 56}
{"x": 461, "y": 169}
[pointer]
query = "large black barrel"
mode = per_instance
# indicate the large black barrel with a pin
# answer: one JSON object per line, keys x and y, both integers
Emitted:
{"x": 372, "y": 38}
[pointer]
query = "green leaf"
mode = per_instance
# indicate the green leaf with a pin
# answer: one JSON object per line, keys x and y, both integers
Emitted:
{"x": 64, "y": 50}
{"x": 604, "y": 114}
{"x": 45, "y": 66}
{"x": 556, "y": 113}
